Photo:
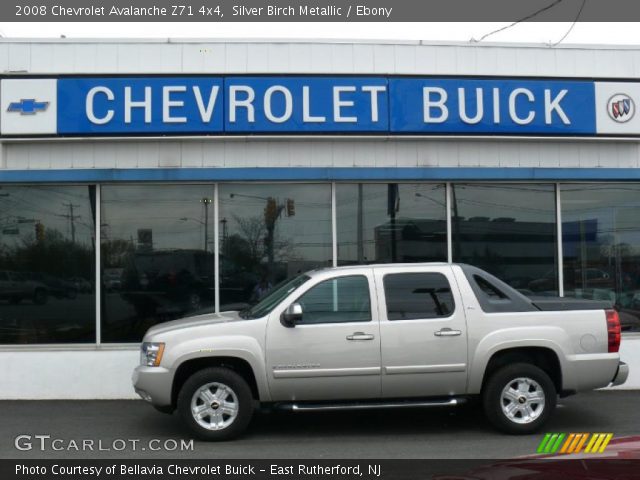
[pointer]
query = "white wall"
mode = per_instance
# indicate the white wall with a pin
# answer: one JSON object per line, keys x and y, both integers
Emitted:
{"x": 54, "y": 374}
{"x": 243, "y": 153}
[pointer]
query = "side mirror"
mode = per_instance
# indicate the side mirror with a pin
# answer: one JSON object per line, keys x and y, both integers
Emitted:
{"x": 292, "y": 315}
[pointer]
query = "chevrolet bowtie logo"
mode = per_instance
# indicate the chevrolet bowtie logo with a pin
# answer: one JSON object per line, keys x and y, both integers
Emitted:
{"x": 27, "y": 106}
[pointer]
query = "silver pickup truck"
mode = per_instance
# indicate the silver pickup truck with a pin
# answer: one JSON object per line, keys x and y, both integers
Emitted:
{"x": 380, "y": 336}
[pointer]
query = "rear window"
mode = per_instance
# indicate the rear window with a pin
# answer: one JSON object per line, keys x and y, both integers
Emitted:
{"x": 493, "y": 294}
{"x": 412, "y": 296}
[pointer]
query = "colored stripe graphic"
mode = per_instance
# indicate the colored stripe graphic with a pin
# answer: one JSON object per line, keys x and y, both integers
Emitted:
{"x": 598, "y": 442}
{"x": 570, "y": 440}
{"x": 580, "y": 439}
{"x": 574, "y": 443}
{"x": 551, "y": 442}
{"x": 606, "y": 442}
{"x": 582, "y": 442}
{"x": 592, "y": 441}
{"x": 543, "y": 443}
{"x": 556, "y": 445}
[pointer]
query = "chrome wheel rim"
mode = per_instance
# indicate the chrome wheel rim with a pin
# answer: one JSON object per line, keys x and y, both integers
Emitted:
{"x": 214, "y": 406}
{"x": 522, "y": 400}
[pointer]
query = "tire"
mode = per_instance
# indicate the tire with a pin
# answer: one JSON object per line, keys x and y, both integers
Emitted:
{"x": 519, "y": 398}
{"x": 225, "y": 387}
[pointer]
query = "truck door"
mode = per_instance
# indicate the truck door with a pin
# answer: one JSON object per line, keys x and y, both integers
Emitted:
{"x": 423, "y": 332}
{"x": 333, "y": 351}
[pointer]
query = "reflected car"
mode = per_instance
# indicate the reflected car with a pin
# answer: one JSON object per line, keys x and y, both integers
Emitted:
{"x": 170, "y": 283}
{"x": 56, "y": 286}
{"x": 629, "y": 319}
{"x": 82, "y": 285}
{"x": 112, "y": 281}
{"x": 594, "y": 278}
{"x": 15, "y": 287}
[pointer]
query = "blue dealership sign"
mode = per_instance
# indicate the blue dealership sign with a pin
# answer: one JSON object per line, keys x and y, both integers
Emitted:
{"x": 474, "y": 106}
{"x": 153, "y": 105}
{"x": 306, "y": 104}
{"x": 234, "y": 105}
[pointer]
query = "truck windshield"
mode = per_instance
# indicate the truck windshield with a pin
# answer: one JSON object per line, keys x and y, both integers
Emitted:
{"x": 273, "y": 298}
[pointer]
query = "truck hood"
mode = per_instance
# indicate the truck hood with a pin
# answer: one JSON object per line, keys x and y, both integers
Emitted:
{"x": 190, "y": 322}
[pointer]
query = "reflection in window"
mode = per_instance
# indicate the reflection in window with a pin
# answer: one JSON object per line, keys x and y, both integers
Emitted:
{"x": 385, "y": 223}
{"x": 489, "y": 290}
{"x": 411, "y": 296}
{"x": 601, "y": 246}
{"x": 157, "y": 248}
{"x": 47, "y": 263}
{"x": 339, "y": 300}
{"x": 508, "y": 230}
{"x": 269, "y": 233}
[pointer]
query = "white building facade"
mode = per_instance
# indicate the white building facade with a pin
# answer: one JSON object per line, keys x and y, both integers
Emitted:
{"x": 142, "y": 181}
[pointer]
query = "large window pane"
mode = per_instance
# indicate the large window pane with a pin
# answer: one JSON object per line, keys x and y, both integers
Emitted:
{"x": 157, "y": 256}
{"x": 47, "y": 261}
{"x": 508, "y": 230}
{"x": 269, "y": 233}
{"x": 339, "y": 300}
{"x": 411, "y": 296}
{"x": 385, "y": 223}
{"x": 601, "y": 246}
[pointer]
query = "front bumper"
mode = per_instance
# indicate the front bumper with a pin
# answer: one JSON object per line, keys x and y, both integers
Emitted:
{"x": 621, "y": 375}
{"x": 153, "y": 384}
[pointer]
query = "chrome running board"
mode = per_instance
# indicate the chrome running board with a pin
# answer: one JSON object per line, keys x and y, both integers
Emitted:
{"x": 312, "y": 407}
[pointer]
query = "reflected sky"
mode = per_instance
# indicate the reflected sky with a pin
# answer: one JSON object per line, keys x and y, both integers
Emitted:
{"x": 174, "y": 213}
{"x": 22, "y": 207}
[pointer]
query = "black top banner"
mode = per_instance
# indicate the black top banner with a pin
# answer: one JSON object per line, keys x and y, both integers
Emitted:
{"x": 319, "y": 10}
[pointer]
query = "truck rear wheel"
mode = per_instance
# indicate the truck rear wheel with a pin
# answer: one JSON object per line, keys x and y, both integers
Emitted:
{"x": 216, "y": 404}
{"x": 519, "y": 398}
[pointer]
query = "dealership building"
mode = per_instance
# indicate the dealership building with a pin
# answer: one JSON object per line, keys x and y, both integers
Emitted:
{"x": 143, "y": 181}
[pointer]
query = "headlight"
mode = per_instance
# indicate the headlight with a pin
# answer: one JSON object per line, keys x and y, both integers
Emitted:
{"x": 151, "y": 354}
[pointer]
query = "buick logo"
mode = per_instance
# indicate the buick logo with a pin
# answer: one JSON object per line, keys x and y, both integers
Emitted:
{"x": 621, "y": 108}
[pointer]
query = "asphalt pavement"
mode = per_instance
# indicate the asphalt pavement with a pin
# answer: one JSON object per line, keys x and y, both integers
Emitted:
{"x": 110, "y": 429}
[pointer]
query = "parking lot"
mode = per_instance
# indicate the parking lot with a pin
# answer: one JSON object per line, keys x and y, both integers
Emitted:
{"x": 411, "y": 433}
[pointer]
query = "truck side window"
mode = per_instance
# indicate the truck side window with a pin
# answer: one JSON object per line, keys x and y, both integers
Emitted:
{"x": 413, "y": 296}
{"x": 490, "y": 290}
{"x": 339, "y": 300}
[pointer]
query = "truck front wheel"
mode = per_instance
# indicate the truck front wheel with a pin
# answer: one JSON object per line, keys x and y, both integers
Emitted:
{"x": 519, "y": 398}
{"x": 216, "y": 404}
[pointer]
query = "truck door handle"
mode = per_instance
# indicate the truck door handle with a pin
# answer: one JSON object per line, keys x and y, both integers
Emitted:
{"x": 356, "y": 336}
{"x": 447, "y": 332}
